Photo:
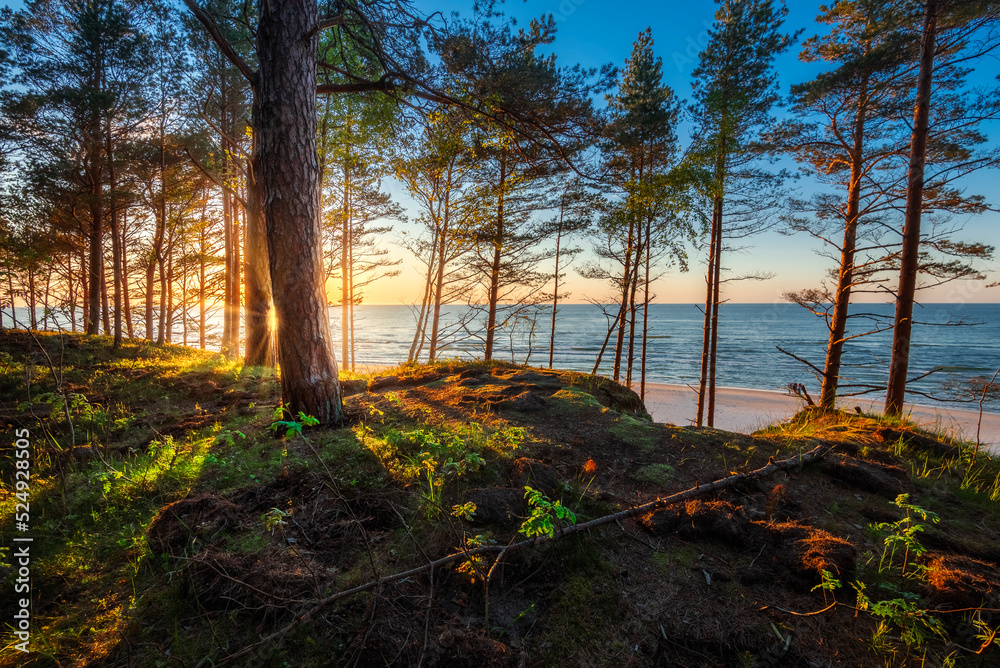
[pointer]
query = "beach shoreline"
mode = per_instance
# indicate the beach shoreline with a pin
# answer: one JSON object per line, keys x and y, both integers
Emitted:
{"x": 746, "y": 410}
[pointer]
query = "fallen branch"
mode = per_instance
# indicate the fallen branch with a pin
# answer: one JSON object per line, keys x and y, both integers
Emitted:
{"x": 795, "y": 462}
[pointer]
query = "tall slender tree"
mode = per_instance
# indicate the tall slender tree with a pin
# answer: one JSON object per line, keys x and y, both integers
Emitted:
{"x": 950, "y": 36}
{"x": 735, "y": 90}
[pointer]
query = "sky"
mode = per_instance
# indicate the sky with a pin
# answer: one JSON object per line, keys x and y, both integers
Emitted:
{"x": 593, "y": 33}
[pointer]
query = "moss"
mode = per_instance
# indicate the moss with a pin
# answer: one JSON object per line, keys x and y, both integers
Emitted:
{"x": 675, "y": 555}
{"x": 658, "y": 474}
{"x": 582, "y": 622}
{"x": 637, "y": 432}
{"x": 574, "y": 400}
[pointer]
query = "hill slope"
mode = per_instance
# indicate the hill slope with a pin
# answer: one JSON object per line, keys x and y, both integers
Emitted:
{"x": 179, "y": 517}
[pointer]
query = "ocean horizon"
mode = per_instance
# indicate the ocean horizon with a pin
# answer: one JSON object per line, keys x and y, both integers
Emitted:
{"x": 958, "y": 342}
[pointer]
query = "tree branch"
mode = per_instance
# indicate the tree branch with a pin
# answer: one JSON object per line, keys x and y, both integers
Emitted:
{"x": 227, "y": 49}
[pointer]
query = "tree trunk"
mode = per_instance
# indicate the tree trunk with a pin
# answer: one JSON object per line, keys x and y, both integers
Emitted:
{"x": 32, "y": 298}
{"x": 845, "y": 277}
{"x": 45, "y": 300}
{"x": 169, "y": 319}
{"x": 345, "y": 266}
{"x": 126, "y": 301}
{"x": 633, "y": 311}
{"x": 645, "y": 312}
{"x": 289, "y": 171}
{"x": 105, "y": 309}
{"x": 202, "y": 254}
{"x": 909, "y": 255}
{"x": 96, "y": 245}
{"x": 237, "y": 281}
{"x": 494, "y": 292}
{"x": 417, "y": 345}
{"x": 626, "y": 277}
{"x": 84, "y": 291}
{"x": 150, "y": 277}
{"x": 439, "y": 288}
{"x": 713, "y": 352}
{"x": 555, "y": 290}
{"x": 116, "y": 242}
{"x": 162, "y": 230}
{"x": 706, "y": 329}
{"x": 259, "y": 304}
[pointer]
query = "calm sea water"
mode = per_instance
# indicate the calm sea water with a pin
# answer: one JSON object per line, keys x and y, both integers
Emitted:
{"x": 749, "y": 337}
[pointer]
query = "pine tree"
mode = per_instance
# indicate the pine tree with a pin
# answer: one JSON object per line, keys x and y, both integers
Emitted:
{"x": 950, "y": 36}
{"x": 855, "y": 144}
{"x": 735, "y": 89}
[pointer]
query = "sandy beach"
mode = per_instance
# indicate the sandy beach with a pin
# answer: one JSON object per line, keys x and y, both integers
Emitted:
{"x": 743, "y": 410}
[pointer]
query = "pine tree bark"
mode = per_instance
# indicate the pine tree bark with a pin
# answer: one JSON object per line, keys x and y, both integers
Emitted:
{"x": 345, "y": 266}
{"x": 289, "y": 171}
{"x": 259, "y": 300}
{"x": 162, "y": 227}
{"x": 126, "y": 300}
{"x": 710, "y": 279}
{"x": 116, "y": 246}
{"x": 439, "y": 281}
{"x": 909, "y": 255}
{"x": 845, "y": 278}
{"x": 555, "y": 289}
{"x": 96, "y": 263}
{"x": 714, "y": 345}
{"x": 616, "y": 366}
{"x": 494, "y": 291}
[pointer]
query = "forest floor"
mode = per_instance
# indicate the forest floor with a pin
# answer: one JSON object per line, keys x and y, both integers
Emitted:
{"x": 178, "y": 517}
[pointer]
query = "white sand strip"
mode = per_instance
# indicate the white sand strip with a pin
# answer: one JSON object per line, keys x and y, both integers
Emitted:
{"x": 742, "y": 410}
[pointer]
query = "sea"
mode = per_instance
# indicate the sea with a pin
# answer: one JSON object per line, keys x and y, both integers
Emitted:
{"x": 954, "y": 343}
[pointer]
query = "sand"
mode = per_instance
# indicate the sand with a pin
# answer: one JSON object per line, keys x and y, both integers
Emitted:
{"x": 743, "y": 410}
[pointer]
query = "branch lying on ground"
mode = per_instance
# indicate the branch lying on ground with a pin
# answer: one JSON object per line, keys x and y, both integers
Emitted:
{"x": 795, "y": 462}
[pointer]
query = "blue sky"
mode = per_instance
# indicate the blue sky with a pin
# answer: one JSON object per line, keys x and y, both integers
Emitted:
{"x": 592, "y": 33}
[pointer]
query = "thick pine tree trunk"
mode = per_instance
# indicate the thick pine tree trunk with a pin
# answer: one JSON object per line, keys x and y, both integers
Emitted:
{"x": 909, "y": 256}
{"x": 289, "y": 172}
